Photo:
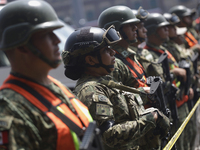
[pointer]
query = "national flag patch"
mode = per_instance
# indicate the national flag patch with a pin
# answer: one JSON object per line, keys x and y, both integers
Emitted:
{"x": 3, "y": 137}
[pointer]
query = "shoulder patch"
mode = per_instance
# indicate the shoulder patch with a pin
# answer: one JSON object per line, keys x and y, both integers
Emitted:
{"x": 102, "y": 109}
{"x": 3, "y": 137}
{"x": 100, "y": 98}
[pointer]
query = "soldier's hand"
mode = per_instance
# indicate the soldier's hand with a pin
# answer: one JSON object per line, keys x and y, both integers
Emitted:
{"x": 163, "y": 123}
{"x": 180, "y": 72}
{"x": 191, "y": 94}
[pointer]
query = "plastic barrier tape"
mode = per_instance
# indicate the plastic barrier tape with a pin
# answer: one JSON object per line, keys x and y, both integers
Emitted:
{"x": 173, "y": 140}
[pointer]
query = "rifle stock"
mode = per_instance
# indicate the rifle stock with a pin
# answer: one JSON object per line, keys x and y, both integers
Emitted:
{"x": 91, "y": 139}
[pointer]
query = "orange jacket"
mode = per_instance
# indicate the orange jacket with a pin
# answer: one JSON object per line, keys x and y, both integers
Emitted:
{"x": 65, "y": 139}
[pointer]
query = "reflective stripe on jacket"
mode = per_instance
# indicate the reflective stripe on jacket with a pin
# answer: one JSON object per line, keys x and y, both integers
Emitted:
{"x": 64, "y": 136}
{"x": 190, "y": 39}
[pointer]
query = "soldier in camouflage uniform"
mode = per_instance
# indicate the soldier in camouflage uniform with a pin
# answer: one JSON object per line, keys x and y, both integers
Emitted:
{"x": 26, "y": 123}
{"x": 124, "y": 123}
{"x": 180, "y": 54}
{"x": 186, "y": 18}
{"x": 157, "y": 34}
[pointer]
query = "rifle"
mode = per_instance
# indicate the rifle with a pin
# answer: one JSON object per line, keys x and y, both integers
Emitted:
{"x": 171, "y": 93}
{"x": 91, "y": 139}
{"x": 185, "y": 86}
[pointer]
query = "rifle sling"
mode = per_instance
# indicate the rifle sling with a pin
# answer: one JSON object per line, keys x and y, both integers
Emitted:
{"x": 50, "y": 107}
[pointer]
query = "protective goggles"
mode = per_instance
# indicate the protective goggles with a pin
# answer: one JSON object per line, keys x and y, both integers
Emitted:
{"x": 110, "y": 37}
{"x": 141, "y": 13}
{"x": 173, "y": 19}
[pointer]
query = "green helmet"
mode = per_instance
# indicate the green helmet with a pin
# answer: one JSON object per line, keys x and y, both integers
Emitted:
{"x": 154, "y": 21}
{"x": 117, "y": 16}
{"x": 182, "y": 11}
{"x": 87, "y": 41}
{"x": 20, "y": 19}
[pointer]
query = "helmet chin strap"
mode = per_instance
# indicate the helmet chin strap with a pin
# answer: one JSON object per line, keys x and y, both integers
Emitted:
{"x": 126, "y": 38}
{"x": 100, "y": 64}
{"x": 139, "y": 38}
{"x": 37, "y": 52}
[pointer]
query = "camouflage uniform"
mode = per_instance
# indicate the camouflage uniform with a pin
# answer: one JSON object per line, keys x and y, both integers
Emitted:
{"x": 145, "y": 58}
{"x": 28, "y": 127}
{"x": 127, "y": 128}
{"x": 181, "y": 53}
{"x": 183, "y": 111}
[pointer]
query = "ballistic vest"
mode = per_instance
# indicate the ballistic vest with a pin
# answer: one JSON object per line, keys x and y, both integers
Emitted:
{"x": 66, "y": 139}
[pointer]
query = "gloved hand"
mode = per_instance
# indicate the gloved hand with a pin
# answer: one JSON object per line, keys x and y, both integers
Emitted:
{"x": 162, "y": 124}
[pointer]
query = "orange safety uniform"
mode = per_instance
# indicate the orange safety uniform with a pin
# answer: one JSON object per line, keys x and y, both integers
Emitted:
{"x": 65, "y": 139}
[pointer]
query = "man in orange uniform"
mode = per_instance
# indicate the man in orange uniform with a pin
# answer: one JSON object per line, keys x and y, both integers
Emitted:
{"x": 29, "y": 97}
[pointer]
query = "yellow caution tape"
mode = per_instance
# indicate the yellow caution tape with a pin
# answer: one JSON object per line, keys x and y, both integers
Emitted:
{"x": 173, "y": 140}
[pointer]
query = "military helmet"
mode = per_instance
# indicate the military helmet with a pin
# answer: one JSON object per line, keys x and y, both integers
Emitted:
{"x": 154, "y": 21}
{"x": 20, "y": 19}
{"x": 117, "y": 16}
{"x": 87, "y": 40}
{"x": 140, "y": 14}
{"x": 173, "y": 19}
{"x": 182, "y": 11}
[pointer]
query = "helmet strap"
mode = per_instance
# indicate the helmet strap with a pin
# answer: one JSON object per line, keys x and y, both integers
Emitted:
{"x": 140, "y": 39}
{"x": 100, "y": 64}
{"x": 38, "y": 53}
{"x": 126, "y": 38}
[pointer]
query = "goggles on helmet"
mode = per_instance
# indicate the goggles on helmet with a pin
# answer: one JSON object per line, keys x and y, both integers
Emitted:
{"x": 110, "y": 37}
{"x": 141, "y": 13}
{"x": 173, "y": 19}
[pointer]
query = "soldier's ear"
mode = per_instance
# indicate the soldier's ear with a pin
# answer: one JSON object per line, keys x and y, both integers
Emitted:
{"x": 91, "y": 60}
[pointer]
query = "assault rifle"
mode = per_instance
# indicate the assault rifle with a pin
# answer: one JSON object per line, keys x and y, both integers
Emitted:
{"x": 171, "y": 93}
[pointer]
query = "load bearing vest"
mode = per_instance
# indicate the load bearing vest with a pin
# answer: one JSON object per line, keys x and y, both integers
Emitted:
{"x": 65, "y": 137}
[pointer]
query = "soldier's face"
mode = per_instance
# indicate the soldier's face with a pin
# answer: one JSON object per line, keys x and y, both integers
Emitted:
{"x": 172, "y": 31}
{"x": 107, "y": 56}
{"x": 47, "y": 43}
{"x": 163, "y": 32}
{"x": 130, "y": 31}
{"x": 141, "y": 30}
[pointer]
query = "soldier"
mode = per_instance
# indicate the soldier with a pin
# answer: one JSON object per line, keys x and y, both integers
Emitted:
{"x": 186, "y": 18}
{"x": 157, "y": 34}
{"x": 120, "y": 115}
{"x": 143, "y": 55}
{"x": 29, "y": 97}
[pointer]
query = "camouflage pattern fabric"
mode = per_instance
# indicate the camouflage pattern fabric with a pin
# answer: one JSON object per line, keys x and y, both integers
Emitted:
{"x": 145, "y": 58}
{"x": 122, "y": 74}
{"x": 182, "y": 113}
{"x": 28, "y": 127}
{"x": 131, "y": 123}
{"x": 179, "y": 54}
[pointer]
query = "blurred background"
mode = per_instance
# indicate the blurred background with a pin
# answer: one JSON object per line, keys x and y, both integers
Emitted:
{"x": 80, "y": 13}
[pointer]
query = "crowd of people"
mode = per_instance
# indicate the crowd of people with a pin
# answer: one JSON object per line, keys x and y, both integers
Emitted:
{"x": 137, "y": 80}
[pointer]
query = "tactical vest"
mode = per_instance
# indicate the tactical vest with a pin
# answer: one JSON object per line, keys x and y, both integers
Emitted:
{"x": 66, "y": 139}
{"x": 190, "y": 39}
{"x": 171, "y": 66}
{"x": 136, "y": 69}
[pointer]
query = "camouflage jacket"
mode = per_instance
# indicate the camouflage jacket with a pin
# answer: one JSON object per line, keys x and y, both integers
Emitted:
{"x": 117, "y": 112}
{"x": 145, "y": 58}
{"x": 28, "y": 127}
